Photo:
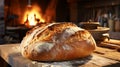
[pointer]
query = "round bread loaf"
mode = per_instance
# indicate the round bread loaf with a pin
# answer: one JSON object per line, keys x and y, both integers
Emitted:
{"x": 57, "y": 42}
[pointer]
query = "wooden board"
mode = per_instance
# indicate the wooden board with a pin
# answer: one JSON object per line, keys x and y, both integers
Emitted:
{"x": 108, "y": 53}
{"x": 11, "y": 54}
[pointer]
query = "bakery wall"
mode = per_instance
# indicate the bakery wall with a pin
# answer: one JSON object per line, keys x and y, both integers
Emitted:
{"x": 89, "y": 9}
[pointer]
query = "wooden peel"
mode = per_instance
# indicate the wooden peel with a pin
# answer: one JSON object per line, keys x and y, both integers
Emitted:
{"x": 108, "y": 45}
{"x": 112, "y": 44}
{"x": 113, "y": 41}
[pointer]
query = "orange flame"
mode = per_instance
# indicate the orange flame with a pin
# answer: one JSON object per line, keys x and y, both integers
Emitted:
{"x": 35, "y": 12}
{"x": 31, "y": 14}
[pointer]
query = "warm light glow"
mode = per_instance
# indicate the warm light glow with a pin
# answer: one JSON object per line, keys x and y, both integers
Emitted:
{"x": 32, "y": 14}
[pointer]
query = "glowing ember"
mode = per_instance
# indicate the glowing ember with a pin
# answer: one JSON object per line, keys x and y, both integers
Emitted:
{"x": 33, "y": 16}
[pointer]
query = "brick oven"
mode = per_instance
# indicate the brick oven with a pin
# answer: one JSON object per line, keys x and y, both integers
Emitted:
{"x": 21, "y": 15}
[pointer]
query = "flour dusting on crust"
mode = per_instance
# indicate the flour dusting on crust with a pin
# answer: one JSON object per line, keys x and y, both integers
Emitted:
{"x": 43, "y": 46}
{"x": 70, "y": 31}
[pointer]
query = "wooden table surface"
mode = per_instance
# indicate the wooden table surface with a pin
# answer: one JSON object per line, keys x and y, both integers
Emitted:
{"x": 99, "y": 58}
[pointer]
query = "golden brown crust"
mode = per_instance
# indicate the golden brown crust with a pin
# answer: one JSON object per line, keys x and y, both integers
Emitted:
{"x": 47, "y": 34}
{"x": 59, "y": 42}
